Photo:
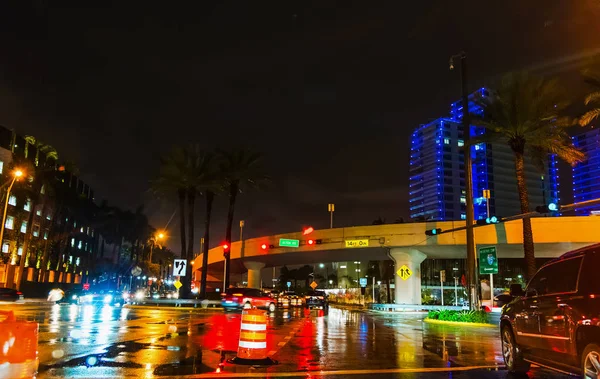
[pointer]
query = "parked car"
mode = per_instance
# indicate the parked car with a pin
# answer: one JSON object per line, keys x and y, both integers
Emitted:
{"x": 316, "y": 300}
{"x": 238, "y": 298}
{"x": 502, "y": 299}
{"x": 101, "y": 297}
{"x": 9, "y": 294}
{"x": 555, "y": 321}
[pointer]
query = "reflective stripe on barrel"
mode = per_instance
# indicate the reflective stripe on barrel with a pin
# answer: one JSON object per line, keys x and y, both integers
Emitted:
{"x": 253, "y": 335}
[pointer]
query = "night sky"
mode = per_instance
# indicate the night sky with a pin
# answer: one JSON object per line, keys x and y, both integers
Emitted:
{"x": 329, "y": 91}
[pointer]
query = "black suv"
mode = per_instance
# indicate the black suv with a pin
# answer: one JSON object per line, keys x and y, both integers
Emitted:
{"x": 316, "y": 299}
{"x": 555, "y": 321}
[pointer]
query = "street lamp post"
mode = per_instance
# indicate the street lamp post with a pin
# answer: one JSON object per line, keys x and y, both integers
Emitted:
{"x": 16, "y": 174}
{"x": 331, "y": 208}
{"x": 470, "y": 212}
{"x": 242, "y": 223}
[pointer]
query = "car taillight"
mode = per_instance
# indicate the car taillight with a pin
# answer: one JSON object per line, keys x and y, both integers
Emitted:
{"x": 238, "y": 294}
{"x": 19, "y": 293}
{"x": 320, "y": 297}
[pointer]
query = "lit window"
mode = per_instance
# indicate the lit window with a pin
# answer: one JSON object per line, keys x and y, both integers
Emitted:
{"x": 446, "y": 141}
{"x": 10, "y": 222}
{"x": 461, "y": 143}
{"x": 24, "y": 227}
{"x": 88, "y": 231}
{"x": 77, "y": 261}
{"x": 81, "y": 230}
{"x": 12, "y": 200}
{"x": 79, "y": 245}
{"x": 5, "y": 247}
{"x": 20, "y": 250}
{"x": 27, "y": 206}
{"x": 45, "y": 234}
{"x": 463, "y": 216}
{"x": 70, "y": 259}
{"x": 43, "y": 189}
{"x": 49, "y": 216}
{"x": 342, "y": 266}
{"x": 463, "y": 200}
{"x": 86, "y": 247}
{"x": 36, "y": 231}
{"x": 72, "y": 242}
{"x": 92, "y": 232}
{"x": 38, "y": 212}
{"x": 74, "y": 224}
{"x": 1, "y": 168}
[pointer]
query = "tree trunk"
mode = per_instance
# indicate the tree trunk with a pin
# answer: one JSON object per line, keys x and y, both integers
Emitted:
{"x": 210, "y": 196}
{"x": 528, "y": 246}
{"x": 26, "y": 243}
{"x": 233, "y": 192}
{"x": 181, "y": 194}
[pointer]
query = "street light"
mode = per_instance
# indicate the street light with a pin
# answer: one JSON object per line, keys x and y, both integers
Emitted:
{"x": 16, "y": 175}
{"x": 331, "y": 209}
{"x": 470, "y": 213}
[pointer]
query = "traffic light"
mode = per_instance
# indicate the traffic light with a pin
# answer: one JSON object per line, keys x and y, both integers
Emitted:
{"x": 433, "y": 232}
{"x": 310, "y": 242}
{"x": 264, "y": 246}
{"x": 552, "y": 207}
{"x": 488, "y": 221}
{"x": 226, "y": 249}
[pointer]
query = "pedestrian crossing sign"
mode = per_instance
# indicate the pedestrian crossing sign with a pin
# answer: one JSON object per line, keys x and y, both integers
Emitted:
{"x": 404, "y": 272}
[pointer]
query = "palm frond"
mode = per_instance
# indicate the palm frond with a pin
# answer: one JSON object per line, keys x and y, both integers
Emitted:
{"x": 589, "y": 116}
{"x": 592, "y": 98}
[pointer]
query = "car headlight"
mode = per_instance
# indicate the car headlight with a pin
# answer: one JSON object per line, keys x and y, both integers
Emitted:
{"x": 156, "y": 296}
{"x": 108, "y": 298}
{"x": 74, "y": 297}
{"x": 140, "y": 295}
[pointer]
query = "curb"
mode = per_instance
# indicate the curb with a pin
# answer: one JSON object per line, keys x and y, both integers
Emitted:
{"x": 457, "y": 323}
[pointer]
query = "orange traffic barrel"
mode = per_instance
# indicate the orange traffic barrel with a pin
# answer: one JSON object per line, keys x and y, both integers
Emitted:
{"x": 252, "y": 348}
{"x": 285, "y": 302}
{"x": 18, "y": 347}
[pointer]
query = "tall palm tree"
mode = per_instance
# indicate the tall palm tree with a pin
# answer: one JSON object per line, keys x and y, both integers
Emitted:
{"x": 591, "y": 76}
{"x": 241, "y": 169}
{"x": 525, "y": 113}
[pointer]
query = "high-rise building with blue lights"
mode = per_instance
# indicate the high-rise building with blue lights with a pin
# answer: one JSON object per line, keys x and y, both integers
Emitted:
{"x": 437, "y": 175}
{"x": 586, "y": 182}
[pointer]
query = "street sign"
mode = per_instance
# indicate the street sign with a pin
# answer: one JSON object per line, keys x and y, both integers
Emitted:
{"x": 284, "y": 242}
{"x": 488, "y": 260}
{"x": 443, "y": 275}
{"x": 177, "y": 284}
{"x": 136, "y": 271}
{"x": 288, "y": 284}
{"x": 404, "y": 272}
{"x": 363, "y": 282}
{"x": 357, "y": 243}
{"x": 179, "y": 267}
{"x": 313, "y": 285}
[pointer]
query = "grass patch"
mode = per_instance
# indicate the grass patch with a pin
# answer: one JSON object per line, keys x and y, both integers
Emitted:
{"x": 478, "y": 317}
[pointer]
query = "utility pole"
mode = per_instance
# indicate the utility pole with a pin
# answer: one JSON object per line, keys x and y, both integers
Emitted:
{"x": 472, "y": 278}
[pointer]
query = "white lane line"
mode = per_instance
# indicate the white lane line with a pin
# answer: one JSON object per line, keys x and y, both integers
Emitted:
{"x": 349, "y": 372}
{"x": 272, "y": 352}
{"x": 287, "y": 338}
{"x": 281, "y": 343}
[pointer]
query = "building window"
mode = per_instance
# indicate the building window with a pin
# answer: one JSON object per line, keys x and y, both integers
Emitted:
{"x": 81, "y": 230}
{"x": 463, "y": 216}
{"x": 12, "y": 200}
{"x": 27, "y": 206}
{"x": 10, "y": 223}
{"x": 79, "y": 245}
{"x": 446, "y": 141}
{"x": 1, "y": 167}
{"x": 20, "y": 250}
{"x": 45, "y": 234}
{"x": 49, "y": 216}
{"x": 77, "y": 262}
{"x": 461, "y": 143}
{"x": 43, "y": 189}
{"x": 36, "y": 231}
{"x": 38, "y": 212}
{"x": 5, "y": 247}
{"x": 24, "y": 227}
{"x": 92, "y": 232}
{"x": 72, "y": 242}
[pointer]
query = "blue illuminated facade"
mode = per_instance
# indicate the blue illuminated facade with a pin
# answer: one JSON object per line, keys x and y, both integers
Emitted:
{"x": 586, "y": 175}
{"x": 437, "y": 175}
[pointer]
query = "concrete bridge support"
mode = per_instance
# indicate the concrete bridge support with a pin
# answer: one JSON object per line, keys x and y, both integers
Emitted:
{"x": 254, "y": 273}
{"x": 407, "y": 291}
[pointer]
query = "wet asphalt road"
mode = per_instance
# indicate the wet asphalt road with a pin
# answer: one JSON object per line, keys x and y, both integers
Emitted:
{"x": 147, "y": 342}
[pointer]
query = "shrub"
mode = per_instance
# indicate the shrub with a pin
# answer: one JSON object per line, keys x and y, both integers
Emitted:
{"x": 480, "y": 317}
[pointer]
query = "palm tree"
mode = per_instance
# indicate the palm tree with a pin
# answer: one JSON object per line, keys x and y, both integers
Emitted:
{"x": 525, "y": 114}
{"x": 591, "y": 76}
{"x": 241, "y": 169}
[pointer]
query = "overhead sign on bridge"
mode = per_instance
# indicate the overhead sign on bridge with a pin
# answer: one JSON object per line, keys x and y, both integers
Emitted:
{"x": 357, "y": 243}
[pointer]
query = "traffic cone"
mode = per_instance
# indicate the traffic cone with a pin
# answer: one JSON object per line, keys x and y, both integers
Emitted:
{"x": 285, "y": 302}
{"x": 252, "y": 348}
{"x": 18, "y": 347}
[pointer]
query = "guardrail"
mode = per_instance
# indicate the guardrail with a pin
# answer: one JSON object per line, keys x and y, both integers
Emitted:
{"x": 179, "y": 302}
{"x": 413, "y": 308}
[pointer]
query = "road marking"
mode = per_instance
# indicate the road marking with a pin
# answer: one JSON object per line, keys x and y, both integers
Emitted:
{"x": 272, "y": 352}
{"x": 350, "y": 372}
{"x": 281, "y": 344}
{"x": 287, "y": 338}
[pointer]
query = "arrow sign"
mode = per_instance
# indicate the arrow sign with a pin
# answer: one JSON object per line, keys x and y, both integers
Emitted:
{"x": 179, "y": 267}
{"x": 404, "y": 272}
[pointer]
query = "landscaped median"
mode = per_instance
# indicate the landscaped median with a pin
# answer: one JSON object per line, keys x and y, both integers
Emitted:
{"x": 466, "y": 318}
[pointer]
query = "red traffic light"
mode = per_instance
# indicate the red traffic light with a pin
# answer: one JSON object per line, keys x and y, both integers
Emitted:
{"x": 311, "y": 242}
{"x": 264, "y": 246}
{"x": 225, "y": 246}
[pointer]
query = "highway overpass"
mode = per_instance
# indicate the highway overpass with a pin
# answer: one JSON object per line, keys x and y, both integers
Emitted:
{"x": 406, "y": 244}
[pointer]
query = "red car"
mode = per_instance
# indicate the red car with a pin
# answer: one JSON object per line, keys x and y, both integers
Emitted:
{"x": 238, "y": 298}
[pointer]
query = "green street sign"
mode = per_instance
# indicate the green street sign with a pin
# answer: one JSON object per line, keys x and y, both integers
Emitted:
{"x": 488, "y": 260}
{"x": 284, "y": 242}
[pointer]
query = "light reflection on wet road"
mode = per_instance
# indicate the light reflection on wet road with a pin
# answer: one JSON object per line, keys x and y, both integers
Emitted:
{"x": 96, "y": 341}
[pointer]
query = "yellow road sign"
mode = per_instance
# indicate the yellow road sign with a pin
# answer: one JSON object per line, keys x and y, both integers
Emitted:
{"x": 313, "y": 285}
{"x": 357, "y": 243}
{"x": 404, "y": 272}
{"x": 177, "y": 284}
